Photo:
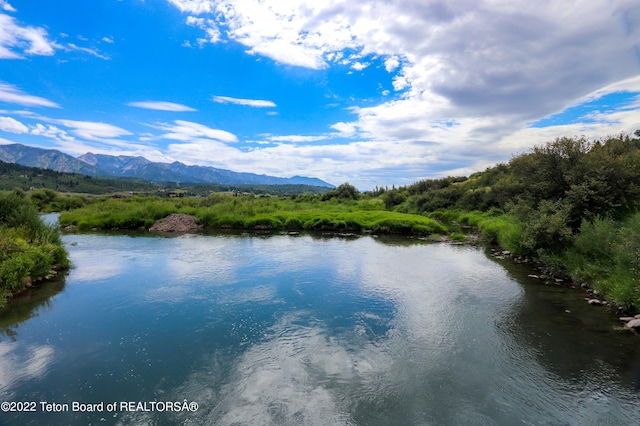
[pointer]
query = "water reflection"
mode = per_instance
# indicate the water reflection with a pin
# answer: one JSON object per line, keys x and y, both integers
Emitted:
{"x": 21, "y": 363}
{"x": 312, "y": 330}
{"x": 28, "y": 304}
{"x": 571, "y": 338}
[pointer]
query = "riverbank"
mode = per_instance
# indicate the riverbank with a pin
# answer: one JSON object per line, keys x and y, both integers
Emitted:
{"x": 30, "y": 250}
{"x": 601, "y": 253}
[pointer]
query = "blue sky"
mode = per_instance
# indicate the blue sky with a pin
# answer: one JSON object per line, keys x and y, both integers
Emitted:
{"x": 374, "y": 92}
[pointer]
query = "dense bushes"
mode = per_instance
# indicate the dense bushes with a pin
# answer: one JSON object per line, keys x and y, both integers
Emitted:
{"x": 571, "y": 203}
{"x": 549, "y": 191}
{"x": 28, "y": 247}
{"x": 607, "y": 253}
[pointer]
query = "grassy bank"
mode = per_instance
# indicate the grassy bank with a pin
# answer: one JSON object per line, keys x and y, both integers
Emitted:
{"x": 29, "y": 249}
{"x": 307, "y": 212}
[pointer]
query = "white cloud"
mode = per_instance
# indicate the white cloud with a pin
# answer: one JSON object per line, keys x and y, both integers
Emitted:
{"x": 11, "y": 94}
{"x": 161, "y": 106}
{"x": 256, "y": 103}
{"x": 108, "y": 40}
{"x": 187, "y": 131}
{"x": 50, "y": 131}
{"x": 92, "y": 130}
{"x": 11, "y": 125}
{"x": 359, "y": 66}
{"x": 209, "y": 26}
{"x": 391, "y": 64}
{"x": 489, "y": 67}
{"x": 6, "y": 6}
{"x": 16, "y": 40}
{"x": 345, "y": 129}
{"x": 93, "y": 52}
{"x": 296, "y": 138}
{"x": 194, "y": 6}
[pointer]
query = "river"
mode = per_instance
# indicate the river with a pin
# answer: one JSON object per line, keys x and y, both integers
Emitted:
{"x": 308, "y": 330}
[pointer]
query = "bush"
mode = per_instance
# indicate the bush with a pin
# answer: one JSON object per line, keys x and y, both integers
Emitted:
{"x": 28, "y": 247}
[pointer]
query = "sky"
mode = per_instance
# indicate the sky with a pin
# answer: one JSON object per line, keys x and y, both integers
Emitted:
{"x": 370, "y": 92}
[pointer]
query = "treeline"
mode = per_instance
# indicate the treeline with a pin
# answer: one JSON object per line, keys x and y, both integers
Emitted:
{"x": 29, "y": 249}
{"x": 16, "y": 176}
{"x": 573, "y": 203}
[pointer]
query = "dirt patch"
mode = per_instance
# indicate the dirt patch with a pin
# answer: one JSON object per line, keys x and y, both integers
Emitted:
{"x": 176, "y": 222}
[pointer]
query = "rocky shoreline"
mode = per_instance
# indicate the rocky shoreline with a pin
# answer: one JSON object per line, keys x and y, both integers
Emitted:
{"x": 550, "y": 277}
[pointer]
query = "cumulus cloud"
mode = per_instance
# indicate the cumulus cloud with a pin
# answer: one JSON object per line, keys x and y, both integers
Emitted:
{"x": 256, "y": 103}
{"x": 11, "y": 125}
{"x": 11, "y": 94}
{"x": 469, "y": 76}
{"x": 17, "y": 41}
{"x": 161, "y": 106}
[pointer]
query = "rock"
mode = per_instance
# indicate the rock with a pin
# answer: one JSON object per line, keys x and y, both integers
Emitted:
{"x": 176, "y": 222}
{"x": 637, "y": 316}
{"x": 634, "y": 325}
{"x": 506, "y": 253}
{"x": 626, "y": 319}
{"x": 70, "y": 228}
{"x": 594, "y": 302}
{"x": 533, "y": 276}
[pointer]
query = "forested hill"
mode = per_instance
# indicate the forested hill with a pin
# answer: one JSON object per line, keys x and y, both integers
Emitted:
{"x": 14, "y": 176}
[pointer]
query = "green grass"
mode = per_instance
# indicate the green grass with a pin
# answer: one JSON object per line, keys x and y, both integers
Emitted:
{"x": 275, "y": 213}
{"x": 29, "y": 249}
{"x": 606, "y": 253}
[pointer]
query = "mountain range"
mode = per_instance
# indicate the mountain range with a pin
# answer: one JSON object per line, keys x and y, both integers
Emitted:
{"x": 139, "y": 167}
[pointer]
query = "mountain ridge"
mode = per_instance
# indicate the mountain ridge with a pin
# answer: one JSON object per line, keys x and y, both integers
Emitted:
{"x": 139, "y": 167}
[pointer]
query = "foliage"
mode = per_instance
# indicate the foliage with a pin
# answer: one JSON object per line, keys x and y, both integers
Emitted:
{"x": 28, "y": 247}
{"x": 346, "y": 191}
{"x": 548, "y": 190}
{"x": 274, "y": 213}
{"x": 571, "y": 203}
{"x": 607, "y": 253}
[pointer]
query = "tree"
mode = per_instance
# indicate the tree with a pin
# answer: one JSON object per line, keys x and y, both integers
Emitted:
{"x": 345, "y": 191}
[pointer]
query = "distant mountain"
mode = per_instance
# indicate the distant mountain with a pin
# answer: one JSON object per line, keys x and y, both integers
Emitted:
{"x": 139, "y": 167}
{"x": 51, "y": 159}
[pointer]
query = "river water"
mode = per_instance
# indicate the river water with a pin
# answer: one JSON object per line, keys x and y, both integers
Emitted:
{"x": 308, "y": 330}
